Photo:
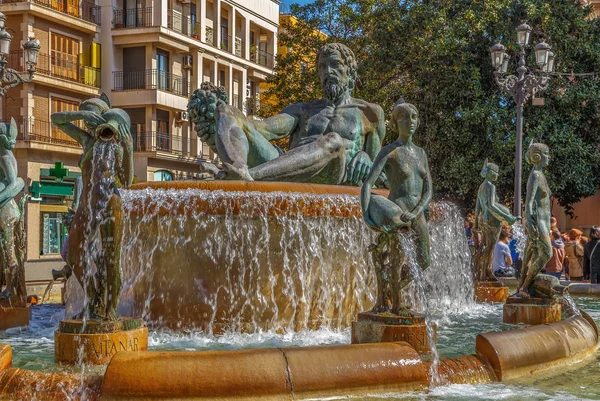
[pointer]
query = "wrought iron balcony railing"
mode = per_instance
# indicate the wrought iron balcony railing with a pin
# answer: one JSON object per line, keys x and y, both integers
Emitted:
{"x": 151, "y": 79}
{"x": 58, "y": 65}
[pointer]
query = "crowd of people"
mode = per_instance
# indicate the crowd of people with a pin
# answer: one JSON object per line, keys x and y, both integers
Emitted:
{"x": 575, "y": 257}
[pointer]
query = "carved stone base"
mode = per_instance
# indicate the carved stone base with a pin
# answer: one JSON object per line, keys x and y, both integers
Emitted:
{"x": 97, "y": 341}
{"x": 14, "y": 312}
{"x": 490, "y": 291}
{"x": 387, "y": 327}
{"x": 531, "y": 311}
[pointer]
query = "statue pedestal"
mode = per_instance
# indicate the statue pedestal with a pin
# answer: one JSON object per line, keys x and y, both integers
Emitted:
{"x": 14, "y": 312}
{"x": 531, "y": 311}
{"x": 98, "y": 340}
{"x": 387, "y": 327}
{"x": 490, "y": 291}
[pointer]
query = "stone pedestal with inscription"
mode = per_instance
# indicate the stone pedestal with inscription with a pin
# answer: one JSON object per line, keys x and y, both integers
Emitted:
{"x": 14, "y": 312}
{"x": 387, "y": 327}
{"x": 491, "y": 291}
{"x": 531, "y": 311}
{"x": 96, "y": 341}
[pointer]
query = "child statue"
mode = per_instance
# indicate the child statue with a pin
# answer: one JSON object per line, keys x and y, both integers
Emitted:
{"x": 407, "y": 170}
{"x": 489, "y": 215}
{"x": 538, "y": 250}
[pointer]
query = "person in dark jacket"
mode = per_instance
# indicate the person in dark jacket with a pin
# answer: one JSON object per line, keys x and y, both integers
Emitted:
{"x": 591, "y": 256}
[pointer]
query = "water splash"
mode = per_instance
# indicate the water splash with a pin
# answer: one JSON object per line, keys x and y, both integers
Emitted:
{"x": 569, "y": 305}
{"x": 520, "y": 236}
{"x": 407, "y": 242}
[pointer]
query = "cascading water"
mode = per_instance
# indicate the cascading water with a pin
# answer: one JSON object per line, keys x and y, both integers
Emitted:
{"x": 410, "y": 251}
{"x": 519, "y": 235}
{"x": 231, "y": 262}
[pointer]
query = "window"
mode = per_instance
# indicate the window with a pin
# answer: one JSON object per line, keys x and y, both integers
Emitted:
{"x": 53, "y": 233}
{"x": 162, "y": 67}
{"x": 59, "y": 104}
{"x": 163, "y": 175}
{"x": 224, "y": 34}
{"x": 222, "y": 78}
{"x": 64, "y": 56}
{"x": 163, "y": 138}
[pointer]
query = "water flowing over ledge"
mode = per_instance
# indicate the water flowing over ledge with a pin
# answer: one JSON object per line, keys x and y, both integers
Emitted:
{"x": 272, "y": 259}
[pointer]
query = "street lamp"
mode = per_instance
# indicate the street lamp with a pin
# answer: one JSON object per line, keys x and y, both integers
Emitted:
{"x": 9, "y": 78}
{"x": 520, "y": 87}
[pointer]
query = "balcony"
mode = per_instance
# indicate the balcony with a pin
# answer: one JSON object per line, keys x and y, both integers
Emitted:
{"x": 132, "y": 17}
{"x": 162, "y": 142}
{"x": 36, "y": 130}
{"x": 151, "y": 79}
{"x": 179, "y": 23}
{"x": 86, "y": 11}
{"x": 58, "y": 65}
{"x": 261, "y": 57}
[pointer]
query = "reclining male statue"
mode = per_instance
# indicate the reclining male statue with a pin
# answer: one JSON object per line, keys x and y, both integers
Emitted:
{"x": 331, "y": 141}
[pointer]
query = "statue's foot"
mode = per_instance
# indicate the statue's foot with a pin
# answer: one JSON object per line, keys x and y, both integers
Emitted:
{"x": 208, "y": 167}
{"x": 402, "y": 311}
{"x": 239, "y": 172}
{"x": 112, "y": 315}
{"x": 522, "y": 293}
{"x": 380, "y": 309}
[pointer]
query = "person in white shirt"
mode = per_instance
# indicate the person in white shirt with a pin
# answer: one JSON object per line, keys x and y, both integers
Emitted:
{"x": 502, "y": 259}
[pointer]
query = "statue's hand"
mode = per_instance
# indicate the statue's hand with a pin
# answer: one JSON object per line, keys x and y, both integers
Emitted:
{"x": 92, "y": 119}
{"x": 511, "y": 220}
{"x": 408, "y": 217}
{"x": 359, "y": 167}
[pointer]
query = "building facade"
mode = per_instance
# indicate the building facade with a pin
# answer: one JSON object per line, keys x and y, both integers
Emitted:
{"x": 148, "y": 56}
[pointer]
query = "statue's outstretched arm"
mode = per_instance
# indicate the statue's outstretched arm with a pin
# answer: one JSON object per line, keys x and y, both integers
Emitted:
{"x": 15, "y": 184}
{"x": 495, "y": 210}
{"x": 427, "y": 190}
{"x": 63, "y": 120}
{"x": 279, "y": 126}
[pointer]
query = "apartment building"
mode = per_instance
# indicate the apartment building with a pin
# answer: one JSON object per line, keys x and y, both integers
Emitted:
{"x": 148, "y": 56}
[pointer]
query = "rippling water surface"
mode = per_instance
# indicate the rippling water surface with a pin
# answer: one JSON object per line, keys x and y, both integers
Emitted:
{"x": 33, "y": 348}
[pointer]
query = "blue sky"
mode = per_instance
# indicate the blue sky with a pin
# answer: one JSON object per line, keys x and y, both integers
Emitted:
{"x": 287, "y": 3}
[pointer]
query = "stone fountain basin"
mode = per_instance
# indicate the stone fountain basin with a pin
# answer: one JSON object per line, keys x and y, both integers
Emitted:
{"x": 309, "y": 372}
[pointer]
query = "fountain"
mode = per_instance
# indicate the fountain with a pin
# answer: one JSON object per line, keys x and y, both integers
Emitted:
{"x": 251, "y": 288}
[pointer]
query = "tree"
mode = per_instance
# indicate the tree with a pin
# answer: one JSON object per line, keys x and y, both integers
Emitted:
{"x": 435, "y": 54}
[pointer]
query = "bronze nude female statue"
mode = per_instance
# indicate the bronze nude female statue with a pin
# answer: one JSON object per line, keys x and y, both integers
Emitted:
{"x": 96, "y": 231}
{"x": 407, "y": 170}
{"x": 538, "y": 249}
{"x": 489, "y": 215}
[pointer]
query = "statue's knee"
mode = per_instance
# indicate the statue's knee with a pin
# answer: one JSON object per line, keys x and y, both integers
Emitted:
{"x": 333, "y": 143}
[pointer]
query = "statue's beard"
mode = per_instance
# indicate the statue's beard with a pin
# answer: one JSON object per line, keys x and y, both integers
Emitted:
{"x": 334, "y": 90}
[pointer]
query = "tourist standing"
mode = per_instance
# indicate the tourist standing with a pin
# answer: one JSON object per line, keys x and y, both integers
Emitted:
{"x": 574, "y": 254}
{"x": 554, "y": 267}
{"x": 502, "y": 259}
{"x": 591, "y": 257}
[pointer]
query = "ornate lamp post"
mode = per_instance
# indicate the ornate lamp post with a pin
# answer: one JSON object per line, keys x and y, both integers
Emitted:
{"x": 520, "y": 87}
{"x": 10, "y": 78}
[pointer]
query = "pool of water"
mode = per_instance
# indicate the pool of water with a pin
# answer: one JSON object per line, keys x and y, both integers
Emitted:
{"x": 33, "y": 348}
